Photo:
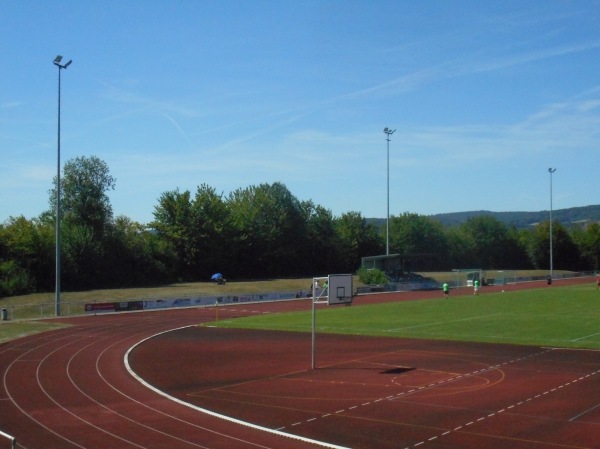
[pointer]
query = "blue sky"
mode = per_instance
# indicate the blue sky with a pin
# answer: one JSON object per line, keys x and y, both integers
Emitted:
{"x": 485, "y": 96}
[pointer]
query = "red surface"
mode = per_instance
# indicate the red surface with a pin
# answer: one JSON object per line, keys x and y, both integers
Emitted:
{"x": 70, "y": 388}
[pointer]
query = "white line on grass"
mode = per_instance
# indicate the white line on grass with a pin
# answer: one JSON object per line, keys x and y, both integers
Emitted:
{"x": 586, "y": 337}
{"x": 443, "y": 322}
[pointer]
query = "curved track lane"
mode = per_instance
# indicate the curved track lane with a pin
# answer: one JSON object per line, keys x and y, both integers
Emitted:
{"x": 70, "y": 388}
{"x": 80, "y": 395}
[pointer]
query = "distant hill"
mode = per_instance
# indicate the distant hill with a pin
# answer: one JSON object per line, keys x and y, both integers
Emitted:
{"x": 567, "y": 217}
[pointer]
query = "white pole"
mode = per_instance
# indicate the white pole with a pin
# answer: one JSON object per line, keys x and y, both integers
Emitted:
{"x": 57, "y": 255}
{"x": 314, "y": 329}
{"x": 57, "y": 63}
{"x": 551, "y": 170}
{"x": 389, "y": 132}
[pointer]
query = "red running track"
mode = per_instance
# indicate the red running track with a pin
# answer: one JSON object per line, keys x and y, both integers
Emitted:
{"x": 70, "y": 388}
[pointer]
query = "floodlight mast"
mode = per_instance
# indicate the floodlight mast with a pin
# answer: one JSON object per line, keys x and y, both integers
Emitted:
{"x": 57, "y": 62}
{"x": 551, "y": 171}
{"x": 389, "y": 132}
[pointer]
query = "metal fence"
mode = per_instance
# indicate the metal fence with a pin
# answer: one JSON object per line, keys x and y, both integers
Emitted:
{"x": 77, "y": 308}
{"x": 37, "y": 311}
{"x": 460, "y": 279}
{"x": 74, "y": 308}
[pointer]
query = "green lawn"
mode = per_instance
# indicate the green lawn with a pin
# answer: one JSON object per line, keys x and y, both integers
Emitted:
{"x": 10, "y": 330}
{"x": 560, "y": 316}
{"x": 556, "y": 317}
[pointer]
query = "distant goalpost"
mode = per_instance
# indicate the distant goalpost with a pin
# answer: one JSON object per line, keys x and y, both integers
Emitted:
{"x": 466, "y": 276}
{"x": 334, "y": 289}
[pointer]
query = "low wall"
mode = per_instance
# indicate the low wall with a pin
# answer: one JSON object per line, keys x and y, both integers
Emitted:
{"x": 194, "y": 301}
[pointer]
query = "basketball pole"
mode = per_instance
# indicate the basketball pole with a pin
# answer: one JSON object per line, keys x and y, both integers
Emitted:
{"x": 315, "y": 298}
{"x": 314, "y": 319}
{"x": 333, "y": 283}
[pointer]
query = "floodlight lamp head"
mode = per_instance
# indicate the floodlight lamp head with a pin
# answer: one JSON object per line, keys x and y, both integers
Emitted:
{"x": 68, "y": 64}
{"x": 551, "y": 170}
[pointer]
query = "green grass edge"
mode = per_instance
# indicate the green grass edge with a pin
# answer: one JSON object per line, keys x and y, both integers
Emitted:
{"x": 566, "y": 317}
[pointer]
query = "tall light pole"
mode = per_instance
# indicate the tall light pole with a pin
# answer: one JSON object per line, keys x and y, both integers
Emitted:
{"x": 57, "y": 63}
{"x": 389, "y": 132}
{"x": 551, "y": 170}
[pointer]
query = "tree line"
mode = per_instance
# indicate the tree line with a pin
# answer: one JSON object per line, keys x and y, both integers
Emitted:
{"x": 257, "y": 232}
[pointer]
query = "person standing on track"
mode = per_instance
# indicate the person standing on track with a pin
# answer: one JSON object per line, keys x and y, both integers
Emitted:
{"x": 446, "y": 289}
{"x": 476, "y": 287}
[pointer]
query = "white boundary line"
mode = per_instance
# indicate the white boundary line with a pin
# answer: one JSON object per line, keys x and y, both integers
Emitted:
{"x": 586, "y": 337}
{"x": 209, "y": 412}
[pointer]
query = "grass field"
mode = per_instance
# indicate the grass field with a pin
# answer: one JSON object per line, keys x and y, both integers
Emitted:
{"x": 557, "y": 317}
{"x": 561, "y": 316}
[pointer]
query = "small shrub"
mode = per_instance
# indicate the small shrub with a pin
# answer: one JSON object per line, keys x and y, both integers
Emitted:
{"x": 372, "y": 276}
{"x": 14, "y": 280}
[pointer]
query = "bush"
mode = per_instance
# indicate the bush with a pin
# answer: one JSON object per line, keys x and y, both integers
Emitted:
{"x": 14, "y": 280}
{"x": 372, "y": 276}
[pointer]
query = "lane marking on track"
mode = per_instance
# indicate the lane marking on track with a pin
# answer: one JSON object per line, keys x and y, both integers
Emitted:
{"x": 585, "y": 412}
{"x": 278, "y": 431}
{"x": 434, "y": 385}
{"x": 491, "y": 415}
{"x": 481, "y": 418}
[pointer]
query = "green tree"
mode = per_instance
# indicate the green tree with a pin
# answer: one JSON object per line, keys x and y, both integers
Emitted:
{"x": 357, "y": 239}
{"x": 516, "y": 251}
{"x": 137, "y": 256}
{"x": 84, "y": 200}
{"x": 269, "y": 228}
{"x": 420, "y": 240}
{"x": 565, "y": 254}
{"x": 461, "y": 249}
{"x": 82, "y": 260}
{"x": 26, "y": 256}
{"x": 173, "y": 219}
{"x": 198, "y": 228}
{"x": 491, "y": 244}
{"x": 212, "y": 229}
{"x": 86, "y": 217}
{"x": 588, "y": 242}
{"x": 320, "y": 253}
